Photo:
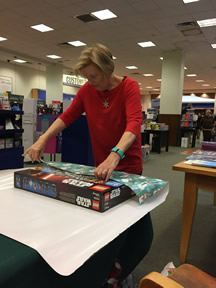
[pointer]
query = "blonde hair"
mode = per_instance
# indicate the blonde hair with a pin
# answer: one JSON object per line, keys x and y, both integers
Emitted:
{"x": 99, "y": 55}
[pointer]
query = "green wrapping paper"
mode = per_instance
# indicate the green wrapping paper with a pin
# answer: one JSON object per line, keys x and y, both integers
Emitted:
{"x": 144, "y": 187}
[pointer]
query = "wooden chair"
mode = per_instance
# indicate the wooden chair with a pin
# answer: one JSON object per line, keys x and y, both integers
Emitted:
{"x": 186, "y": 275}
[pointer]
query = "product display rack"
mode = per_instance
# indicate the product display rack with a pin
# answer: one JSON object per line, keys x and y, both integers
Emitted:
{"x": 11, "y": 151}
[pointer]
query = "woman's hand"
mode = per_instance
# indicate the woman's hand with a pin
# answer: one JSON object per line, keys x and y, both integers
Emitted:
{"x": 36, "y": 150}
{"x": 104, "y": 170}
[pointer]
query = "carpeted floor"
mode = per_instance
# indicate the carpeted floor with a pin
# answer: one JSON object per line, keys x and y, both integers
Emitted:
{"x": 167, "y": 220}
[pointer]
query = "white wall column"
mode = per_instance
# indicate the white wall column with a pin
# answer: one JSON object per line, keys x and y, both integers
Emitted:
{"x": 146, "y": 101}
{"x": 172, "y": 82}
{"x": 171, "y": 92}
{"x": 215, "y": 105}
{"x": 54, "y": 83}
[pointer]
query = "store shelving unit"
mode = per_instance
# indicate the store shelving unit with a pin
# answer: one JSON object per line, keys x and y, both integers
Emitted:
{"x": 10, "y": 152}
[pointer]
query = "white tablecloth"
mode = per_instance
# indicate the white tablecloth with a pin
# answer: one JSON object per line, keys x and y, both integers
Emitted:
{"x": 65, "y": 235}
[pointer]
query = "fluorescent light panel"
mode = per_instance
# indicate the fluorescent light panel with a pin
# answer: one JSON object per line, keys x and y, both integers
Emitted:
{"x": 147, "y": 75}
{"x": 149, "y": 87}
{"x": 3, "y": 39}
{"x": 20, "y": 61}
{"x": 131, "y": 67}
{"x": 207, "y": 22}
{"x": 76, "y": 43}
{"x": 213, "y": 45}
{"x": 205, "y": 85}
{"x": 191, "y": 75}
{"x": 146, "y": 44}
{"x": 42, "y": 28}
{"x": 104, "y": 14}
{"x": 190, "y": 1}
{"x": 53, "y": 56}
{"x": 199, "y": 80}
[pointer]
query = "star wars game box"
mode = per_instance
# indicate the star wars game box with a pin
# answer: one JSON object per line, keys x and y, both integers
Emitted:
{"x": 82, "y": 190}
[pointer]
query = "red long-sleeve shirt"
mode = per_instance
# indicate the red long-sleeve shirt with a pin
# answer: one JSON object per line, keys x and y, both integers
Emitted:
{"x": 106, "y": 125}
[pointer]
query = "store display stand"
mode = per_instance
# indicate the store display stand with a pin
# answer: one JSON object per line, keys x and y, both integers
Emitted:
{"x": 11, "y": 142}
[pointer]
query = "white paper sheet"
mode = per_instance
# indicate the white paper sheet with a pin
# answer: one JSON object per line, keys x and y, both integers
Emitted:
{"x": 65, "y": 235}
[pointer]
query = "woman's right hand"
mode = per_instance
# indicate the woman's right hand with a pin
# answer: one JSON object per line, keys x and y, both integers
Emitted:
{"x": 36, "y": 150}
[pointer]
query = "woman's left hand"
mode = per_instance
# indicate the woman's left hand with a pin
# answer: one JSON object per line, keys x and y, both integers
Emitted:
{"x": 104, "y": 170}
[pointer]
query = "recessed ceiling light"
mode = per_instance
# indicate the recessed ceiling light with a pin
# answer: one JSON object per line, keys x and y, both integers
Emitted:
{"x": 131, "y": 67}
{"x": 213, "y": 45}
{"x": 159, "y": 80}
{"x": 53, "y": 56}
{"x": 156, "y": 89}
{"x": 76, "y": 43}
{"x": 199, "y": 80}
{"x": 205, "y": 85}
{"x": 161, "y": 58}
{"x": 185, "y": 68}
{"x": 207, "y": 22}
{"x": 149, "y": 87}
{"x": 3, "y": 39}
{"x": 146, "y": 44}
{"x": 147, "y": 75}
{"x": 190, "y": 1}
{"x": 20, "y": 61}
{"x": 42, "y": 28}
{"x": 104, "y": 14}
{"x": 113, "y": 57}
{"x": 191, "y": 75}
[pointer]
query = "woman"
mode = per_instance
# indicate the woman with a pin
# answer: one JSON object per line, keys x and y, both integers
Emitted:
{"x": 113, "y": 111}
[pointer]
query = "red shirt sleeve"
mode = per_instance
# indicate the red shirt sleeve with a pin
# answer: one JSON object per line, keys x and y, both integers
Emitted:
{"x": 74, "y": 110}
{"x": 133, "y": 108}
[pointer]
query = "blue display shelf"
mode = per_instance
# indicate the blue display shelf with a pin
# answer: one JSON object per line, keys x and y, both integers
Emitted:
{"x": 10, "y": 112}
{"x": 11, "y": 131}
{"x": 11, "y": 158}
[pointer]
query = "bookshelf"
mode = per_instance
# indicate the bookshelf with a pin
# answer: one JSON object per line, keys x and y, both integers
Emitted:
{"x": 11, "y": 147}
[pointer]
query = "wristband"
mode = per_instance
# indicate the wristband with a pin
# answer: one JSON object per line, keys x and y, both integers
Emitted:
{"x": 118, "y": 151}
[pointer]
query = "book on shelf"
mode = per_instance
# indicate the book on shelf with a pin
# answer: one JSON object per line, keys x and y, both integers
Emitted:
{"x": 187, "y": 116}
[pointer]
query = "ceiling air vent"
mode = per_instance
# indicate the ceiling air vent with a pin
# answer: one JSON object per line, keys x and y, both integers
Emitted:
{"x": 86, "y": 18}
{"x": 189, "y": 28}
{"x": 65, "y": 45}
{"x": 135, "y": 73}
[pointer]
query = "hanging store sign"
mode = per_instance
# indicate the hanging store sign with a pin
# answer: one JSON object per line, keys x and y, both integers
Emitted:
{"x": 74, "y": 81}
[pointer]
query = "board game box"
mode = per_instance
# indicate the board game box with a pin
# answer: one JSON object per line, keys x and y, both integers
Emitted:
{"x": 82, "y": 190}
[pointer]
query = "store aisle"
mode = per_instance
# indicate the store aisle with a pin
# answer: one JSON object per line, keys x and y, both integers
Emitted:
{"x": 167, "y": 220}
